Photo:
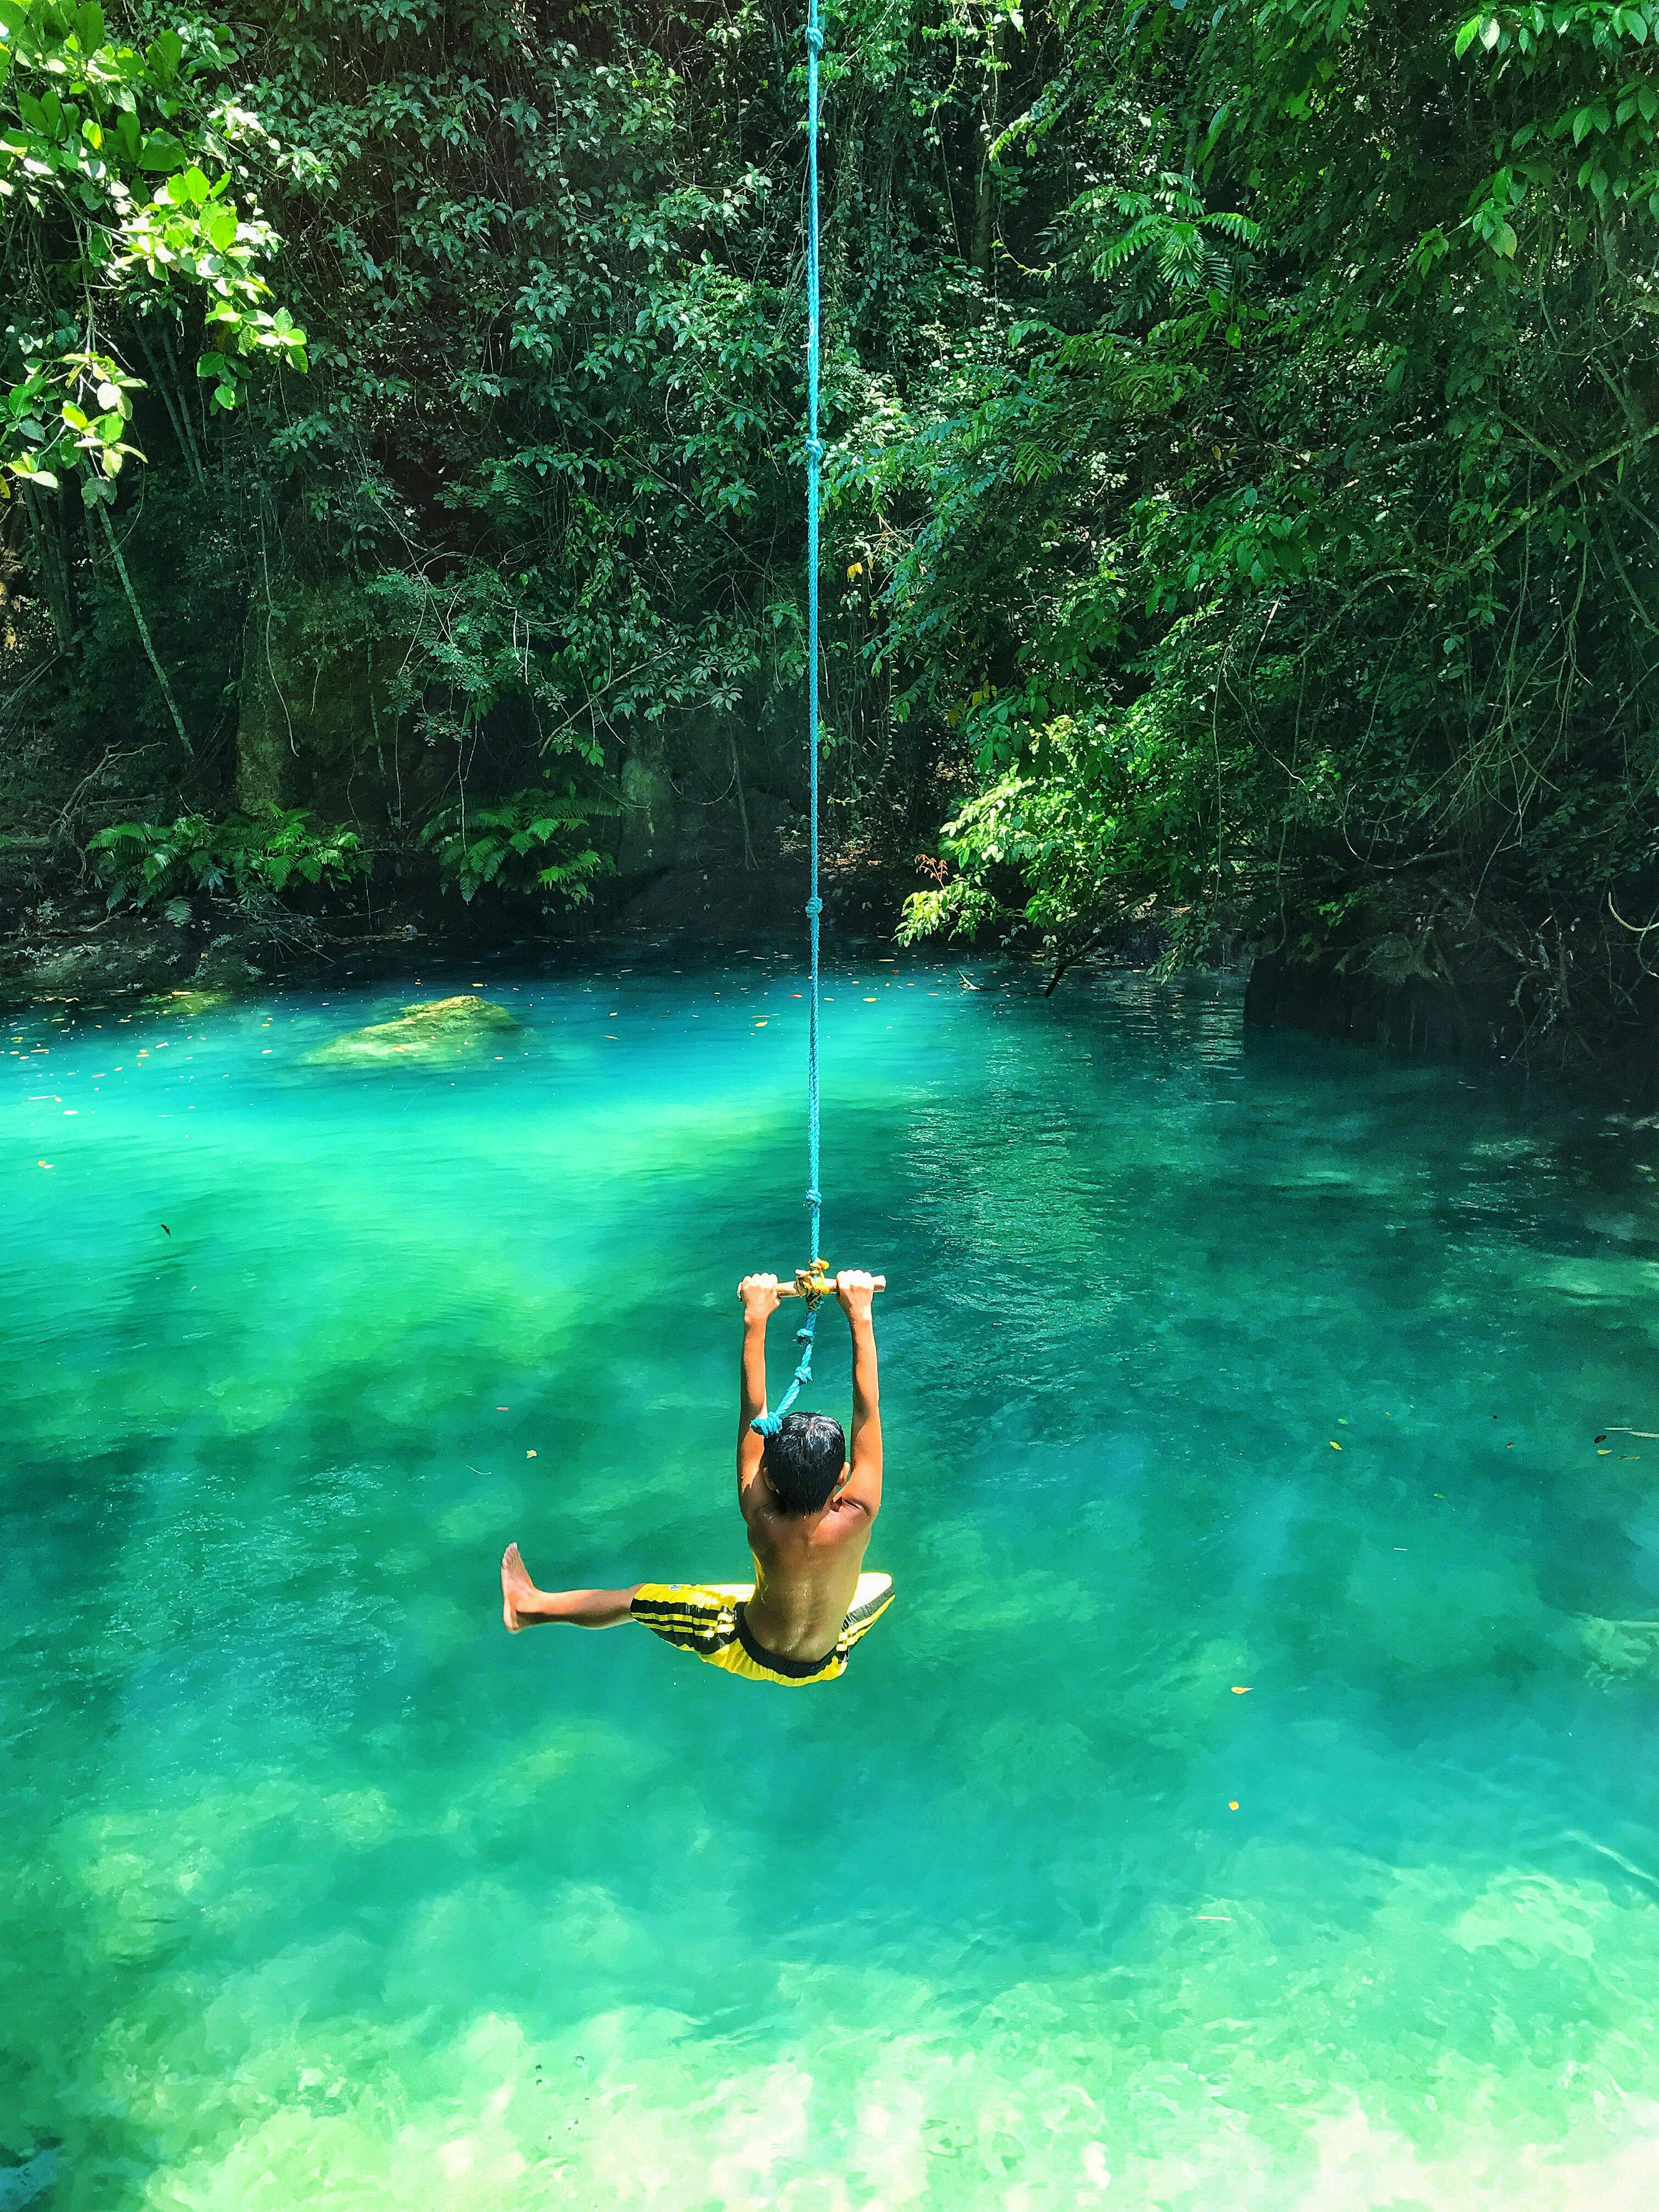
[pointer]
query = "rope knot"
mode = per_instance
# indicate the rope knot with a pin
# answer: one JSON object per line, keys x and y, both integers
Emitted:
{"x": 815, "y": 1198}
{"x": 814, "y": 906}
{"x": 815, "y": 449}
{"x": 814, "y": 40}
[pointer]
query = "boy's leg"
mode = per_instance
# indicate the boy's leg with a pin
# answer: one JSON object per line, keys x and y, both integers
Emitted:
{"x": 523, "y": 1606}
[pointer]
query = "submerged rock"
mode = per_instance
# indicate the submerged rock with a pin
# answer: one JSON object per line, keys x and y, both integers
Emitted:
{"x": 438, "y": 1031}
{"x": 23, "y": 2180}
{"x": 1620, "y": 1651}
{"x": 187, "y": 1003}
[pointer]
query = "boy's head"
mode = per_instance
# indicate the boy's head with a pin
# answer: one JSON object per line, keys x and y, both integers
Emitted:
{"x": 804, "y": 1459}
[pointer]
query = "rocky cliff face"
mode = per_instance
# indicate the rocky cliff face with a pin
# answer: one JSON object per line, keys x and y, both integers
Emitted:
{"x": 317, "y": 725}
{"x": 709, "y": 836}
{"x": 712, "y": 807}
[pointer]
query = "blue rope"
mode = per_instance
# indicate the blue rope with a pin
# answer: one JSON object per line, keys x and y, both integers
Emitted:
{"x": 768, "y": 1424}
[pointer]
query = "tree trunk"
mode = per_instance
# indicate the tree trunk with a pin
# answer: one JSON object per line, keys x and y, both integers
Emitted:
{"x": 52, "y": 561}
{"x": 143, "y": 628}
{"x": 985, "y": 177}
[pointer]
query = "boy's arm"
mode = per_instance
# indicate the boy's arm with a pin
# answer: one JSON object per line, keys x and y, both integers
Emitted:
{"x": 759, "y": 1294}
{"x": 854, "y": 1290}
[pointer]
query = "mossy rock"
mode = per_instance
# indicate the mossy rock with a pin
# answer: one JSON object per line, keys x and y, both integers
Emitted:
{"x": 435, "y": 1033}
{"x": 187, "y": 1003}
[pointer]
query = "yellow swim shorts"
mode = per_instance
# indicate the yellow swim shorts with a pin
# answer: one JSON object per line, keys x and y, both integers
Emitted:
{"x": 706, "y": 1619}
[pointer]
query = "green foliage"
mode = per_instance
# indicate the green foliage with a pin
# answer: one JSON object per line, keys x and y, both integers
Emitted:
{"x": 552, "y": 420}
{"x": 548, "y": 444}
{"x": 110, "y": 216}
{"x": 231, "y": 857}
{"x": 1241, "y": 428}
{"x": 534, "y": 842}
{"x": 1296, "y": 564}
{"x": 1081, "y": 836}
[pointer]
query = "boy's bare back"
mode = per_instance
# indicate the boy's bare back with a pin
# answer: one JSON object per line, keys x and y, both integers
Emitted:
{"x": 807, "y": 1563}
{"x": 808, "y": 1503}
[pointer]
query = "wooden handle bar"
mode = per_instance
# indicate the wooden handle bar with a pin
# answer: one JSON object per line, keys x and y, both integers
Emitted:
{"x": 804, "y": 1282}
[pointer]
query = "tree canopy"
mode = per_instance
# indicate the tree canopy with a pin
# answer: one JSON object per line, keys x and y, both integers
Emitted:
{"x": 1240, "y": 485}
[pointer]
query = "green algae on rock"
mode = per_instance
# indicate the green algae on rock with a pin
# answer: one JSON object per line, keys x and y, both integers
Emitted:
{"x": 187, "y": 1003}
{"x": 435, "y": 1030}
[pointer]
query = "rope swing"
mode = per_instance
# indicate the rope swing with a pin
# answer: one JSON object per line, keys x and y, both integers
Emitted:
{"x": 813, "y": 1283}
{"x": 810, "y": 1284}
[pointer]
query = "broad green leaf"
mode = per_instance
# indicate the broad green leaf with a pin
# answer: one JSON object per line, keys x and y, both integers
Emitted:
{"x": 161, "y": 152}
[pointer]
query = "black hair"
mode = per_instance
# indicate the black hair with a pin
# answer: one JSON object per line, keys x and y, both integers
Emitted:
{"x": 803, "y": 1461}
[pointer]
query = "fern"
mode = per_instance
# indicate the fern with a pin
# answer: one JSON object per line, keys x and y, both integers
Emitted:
{"x": 139, "y": 862}
{"x": 534, "y": 841}
{"x": 1172, "y": 238}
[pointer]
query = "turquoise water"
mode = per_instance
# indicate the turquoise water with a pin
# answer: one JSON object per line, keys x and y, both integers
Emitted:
{"x": 319, "y": 1892}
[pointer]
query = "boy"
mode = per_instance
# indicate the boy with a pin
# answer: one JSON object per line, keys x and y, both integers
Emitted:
{"x": 809, "y": 1509}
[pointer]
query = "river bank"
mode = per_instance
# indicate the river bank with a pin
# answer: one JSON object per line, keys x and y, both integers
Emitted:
{"x": 60, "y": 938}
{"x": 1489, "y": 1014}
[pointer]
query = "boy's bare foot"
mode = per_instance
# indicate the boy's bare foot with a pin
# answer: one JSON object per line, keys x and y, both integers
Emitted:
{"x": 515, "y": 1585}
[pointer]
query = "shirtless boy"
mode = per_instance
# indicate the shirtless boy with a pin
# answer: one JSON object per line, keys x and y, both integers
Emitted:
{"x": 809, "y": 1509}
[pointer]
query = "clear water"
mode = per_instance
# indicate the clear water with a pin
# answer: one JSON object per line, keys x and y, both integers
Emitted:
{"x": 319, "y": 1892}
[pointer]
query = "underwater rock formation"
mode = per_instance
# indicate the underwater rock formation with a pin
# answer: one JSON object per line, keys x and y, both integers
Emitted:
{"x": 436, "y": 1031}
{"x": 187, "y": 1003}
{"x": 22, "y": 2180}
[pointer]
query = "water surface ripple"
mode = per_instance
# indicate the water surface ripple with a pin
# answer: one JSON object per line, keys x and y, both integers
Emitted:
{"x": 1251, "y": 1800}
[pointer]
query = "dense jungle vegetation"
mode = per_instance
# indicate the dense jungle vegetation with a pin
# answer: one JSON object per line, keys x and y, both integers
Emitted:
{"x": 1240, "y": 492}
